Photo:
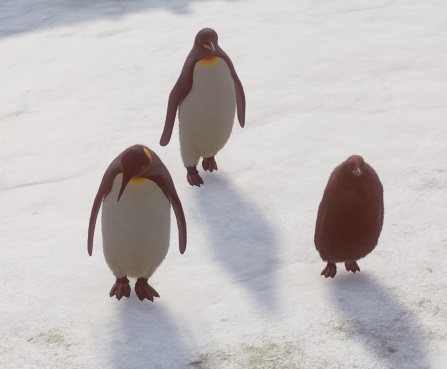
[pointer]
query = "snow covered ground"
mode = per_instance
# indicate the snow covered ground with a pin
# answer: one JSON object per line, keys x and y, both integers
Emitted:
{"x": 83, "y": 80}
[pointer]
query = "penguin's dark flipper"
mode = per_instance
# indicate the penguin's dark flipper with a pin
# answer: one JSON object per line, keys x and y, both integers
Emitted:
{"x": 240, "y": 95}
{"x": 144, "y": 291}
{"x": 352, "y": 266}
{"x": 120, "y": 288}
{"x": 330, "y": 270}
{"x": 193, "y": 177}
{"x": 209, "y": 164}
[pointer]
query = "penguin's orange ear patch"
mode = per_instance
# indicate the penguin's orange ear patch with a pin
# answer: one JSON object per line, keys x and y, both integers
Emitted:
{"x": 148, "y": 153}
{"x": 209, "y": 61}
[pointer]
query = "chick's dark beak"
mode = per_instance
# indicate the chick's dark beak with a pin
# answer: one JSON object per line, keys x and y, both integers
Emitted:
{"x": 357, "y": 172}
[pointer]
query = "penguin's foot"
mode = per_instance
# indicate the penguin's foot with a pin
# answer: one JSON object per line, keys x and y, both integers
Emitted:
{"x": 144, "y": 291}
{"x": 120, "y": 288}
{"x": 330, "y": 270}
{"x": 209, "y": 164}
{"x": 352, "y": 266}
{"x": 193, "y": 177}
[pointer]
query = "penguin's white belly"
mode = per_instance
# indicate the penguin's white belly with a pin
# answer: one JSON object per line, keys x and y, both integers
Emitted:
{"x": 136, "y": 229}
{"x": 207, "y": 113}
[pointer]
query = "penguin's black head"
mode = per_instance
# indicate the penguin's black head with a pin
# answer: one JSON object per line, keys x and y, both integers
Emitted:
{"x": 355, "y": 166}
{"x": 133, "y": 162}
{"x": 206, "y": 42}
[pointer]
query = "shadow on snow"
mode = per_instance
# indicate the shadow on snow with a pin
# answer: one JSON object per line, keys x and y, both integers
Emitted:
{"x": 380, "y": 322}
{"x": 242, "y": 238}
{"x": 145, "y": 337}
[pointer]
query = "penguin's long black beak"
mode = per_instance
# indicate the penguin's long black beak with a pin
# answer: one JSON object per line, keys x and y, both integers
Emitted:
{"x": 126, "y": 180}
{"x": 127, "y": 177}
{"x": 210, "y": 47}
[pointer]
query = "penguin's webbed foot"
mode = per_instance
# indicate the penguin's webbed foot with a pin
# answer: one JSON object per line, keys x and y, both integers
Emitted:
{"x": 144, "y": 291}
{"x": 209, "y": 164}
{"x": 352, "y": 266}
{"x": 193, "y": 177}
{"x": 120, "y": 288}
{"x": 330, "y": 270}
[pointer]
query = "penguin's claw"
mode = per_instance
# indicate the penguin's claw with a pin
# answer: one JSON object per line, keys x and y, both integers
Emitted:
{"x": 120, "y": 288}
{"x": 330, "y": 270}
{"x": 352, "y": 266}
{"x": 193, "y": 177}
{"x": 209, "y": 164}
{"x": 144, "y": 290}
{"x": 194, "y": 180}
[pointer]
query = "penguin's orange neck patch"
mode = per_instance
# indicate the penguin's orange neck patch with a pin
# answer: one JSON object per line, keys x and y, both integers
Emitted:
{"x": 138, "y": 180}
{"x": 209, "y": 61}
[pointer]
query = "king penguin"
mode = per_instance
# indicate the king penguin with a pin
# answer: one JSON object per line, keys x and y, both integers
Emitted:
{"x": 136, "y": 192}
{"x": 206, "y": 95}
{"x": 350, "y": 215}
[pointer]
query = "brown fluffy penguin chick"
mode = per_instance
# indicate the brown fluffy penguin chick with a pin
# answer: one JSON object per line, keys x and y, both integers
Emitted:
{"x": 350, "y": 215}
